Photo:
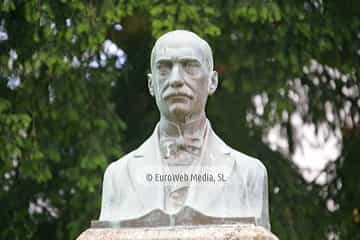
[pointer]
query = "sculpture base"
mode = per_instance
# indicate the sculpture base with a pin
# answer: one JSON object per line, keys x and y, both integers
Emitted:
{"x": 202, "y": 232}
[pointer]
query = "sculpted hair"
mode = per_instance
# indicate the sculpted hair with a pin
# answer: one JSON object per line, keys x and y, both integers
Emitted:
{"x": 204, "y": 46}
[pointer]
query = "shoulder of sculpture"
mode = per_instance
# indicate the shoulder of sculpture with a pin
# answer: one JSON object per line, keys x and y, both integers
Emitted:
{"x": 122, "y": 163}
{"x": 251, "y": 163}
{"x": 243, "y": 161}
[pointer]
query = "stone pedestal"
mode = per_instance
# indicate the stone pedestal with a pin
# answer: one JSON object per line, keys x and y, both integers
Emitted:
{"x": 202, "y": 232}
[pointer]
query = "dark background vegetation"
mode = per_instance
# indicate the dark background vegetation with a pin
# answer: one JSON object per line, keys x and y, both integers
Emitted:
{"x": 65, "y": 121}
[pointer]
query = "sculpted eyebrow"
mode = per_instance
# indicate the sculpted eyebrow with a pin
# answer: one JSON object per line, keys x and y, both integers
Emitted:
{"x": 163, "y": 60}
{"x": 192, "y": 59}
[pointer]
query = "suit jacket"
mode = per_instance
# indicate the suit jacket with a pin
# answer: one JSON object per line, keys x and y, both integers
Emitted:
{"x": 126, "y": 195}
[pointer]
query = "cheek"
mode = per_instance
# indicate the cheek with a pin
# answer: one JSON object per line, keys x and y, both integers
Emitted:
{"x": 201, "y": 85}
{"x": 159, "y": 82}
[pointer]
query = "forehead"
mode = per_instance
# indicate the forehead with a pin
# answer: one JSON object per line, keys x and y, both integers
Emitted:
{"x": 178, "y": 48}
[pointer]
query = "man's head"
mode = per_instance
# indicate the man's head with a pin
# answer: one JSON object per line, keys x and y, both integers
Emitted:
{"x": 182, "y": 75}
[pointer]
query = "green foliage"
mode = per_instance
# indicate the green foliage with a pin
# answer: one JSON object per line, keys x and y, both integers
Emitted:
{"x": 199, "y": 16}
{"x": 67, "y": 120}
{"x": 57, "y": 112}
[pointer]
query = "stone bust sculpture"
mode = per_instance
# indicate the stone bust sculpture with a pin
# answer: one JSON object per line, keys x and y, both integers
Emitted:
{"x": 181, "y": 79}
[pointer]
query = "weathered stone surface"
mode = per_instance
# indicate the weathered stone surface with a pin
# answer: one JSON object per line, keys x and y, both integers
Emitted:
{"x": 209, "y": 232}
{"x": 186, "y": 217}
{"x": 184, "y": 163}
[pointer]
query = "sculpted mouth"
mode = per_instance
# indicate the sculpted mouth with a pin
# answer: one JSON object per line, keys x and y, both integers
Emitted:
{"x": 178, "y": 94}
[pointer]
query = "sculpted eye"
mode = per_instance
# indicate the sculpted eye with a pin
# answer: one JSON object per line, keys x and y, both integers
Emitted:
{"x": 191, "y": 67}
{"x": 164, "y": 68}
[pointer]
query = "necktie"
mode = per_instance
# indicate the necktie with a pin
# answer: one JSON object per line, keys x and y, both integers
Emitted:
{"x": 171, "y": 146}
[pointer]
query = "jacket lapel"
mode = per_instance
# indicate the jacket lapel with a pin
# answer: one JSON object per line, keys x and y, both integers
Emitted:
{"x": 146, "y": 161}
{"x": 218, "y": 160}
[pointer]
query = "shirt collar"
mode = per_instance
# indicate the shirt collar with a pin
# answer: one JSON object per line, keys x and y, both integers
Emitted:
{"x": 194, "y": 128}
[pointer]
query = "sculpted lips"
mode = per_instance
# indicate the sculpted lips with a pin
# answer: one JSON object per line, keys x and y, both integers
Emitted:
{"x": 177, "y": 95}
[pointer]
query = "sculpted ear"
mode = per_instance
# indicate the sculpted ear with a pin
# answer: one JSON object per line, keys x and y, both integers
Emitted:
{"x": 150, "y": 84}
{"x": 213, "y": 83}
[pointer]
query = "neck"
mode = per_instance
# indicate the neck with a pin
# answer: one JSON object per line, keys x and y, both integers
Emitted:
{"x": 187, "y": 127}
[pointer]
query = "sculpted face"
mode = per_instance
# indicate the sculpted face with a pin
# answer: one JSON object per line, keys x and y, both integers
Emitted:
{"x": 182, "y": 76}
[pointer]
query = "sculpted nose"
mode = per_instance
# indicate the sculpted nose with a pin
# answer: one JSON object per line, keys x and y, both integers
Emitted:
{"x": 176, "y": 79}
